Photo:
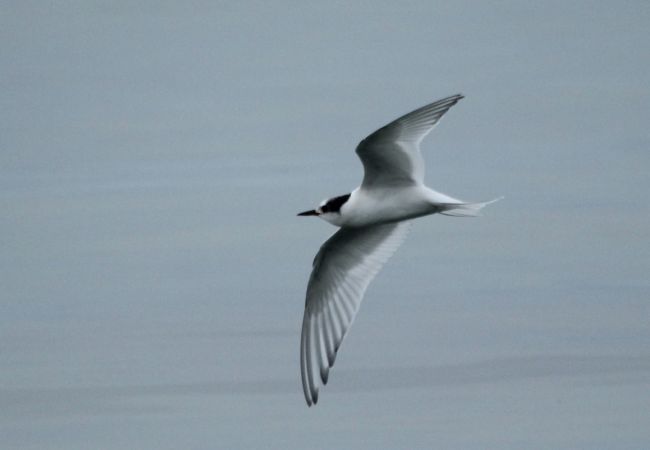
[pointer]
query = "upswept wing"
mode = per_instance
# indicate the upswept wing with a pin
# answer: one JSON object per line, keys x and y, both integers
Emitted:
{"x": 343, "y": 268}
{"x": 391, "y": 155}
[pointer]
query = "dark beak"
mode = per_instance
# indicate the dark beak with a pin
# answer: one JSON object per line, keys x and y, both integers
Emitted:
{"x": 312, "y": 212}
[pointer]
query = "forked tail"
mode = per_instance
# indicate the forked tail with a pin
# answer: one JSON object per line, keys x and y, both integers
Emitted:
{"x": 465, "y": 209}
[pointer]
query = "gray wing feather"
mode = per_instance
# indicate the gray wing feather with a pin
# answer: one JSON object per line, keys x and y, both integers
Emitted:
{"x": 391, "y": 155}
{"x": 343, "y": 268}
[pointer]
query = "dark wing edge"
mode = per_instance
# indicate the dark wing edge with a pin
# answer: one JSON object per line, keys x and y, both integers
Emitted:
{"x": 417, "y": 123}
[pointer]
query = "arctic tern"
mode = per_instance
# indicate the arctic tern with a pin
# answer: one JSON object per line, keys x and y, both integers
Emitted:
{"x": 374, "y": 220}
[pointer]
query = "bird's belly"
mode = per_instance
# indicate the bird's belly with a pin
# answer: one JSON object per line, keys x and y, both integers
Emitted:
{"x": 393, "y": 207}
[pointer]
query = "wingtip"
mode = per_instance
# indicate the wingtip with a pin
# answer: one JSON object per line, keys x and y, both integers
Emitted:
{"x": 452, "y": 99}
{"x": 324, "y": 375}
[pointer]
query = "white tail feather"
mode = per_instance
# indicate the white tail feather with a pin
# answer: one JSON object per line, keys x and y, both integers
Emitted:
{"x": 465, "y": 209}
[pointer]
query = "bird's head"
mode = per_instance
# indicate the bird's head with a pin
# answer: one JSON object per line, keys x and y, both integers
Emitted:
{"x": 329, "y": 210}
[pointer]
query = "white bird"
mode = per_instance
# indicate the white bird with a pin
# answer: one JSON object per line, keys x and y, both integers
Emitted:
{"x": 374, "y": 220}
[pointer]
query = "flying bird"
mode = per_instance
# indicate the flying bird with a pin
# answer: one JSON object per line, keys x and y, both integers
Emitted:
{"x": 374, "y": 220}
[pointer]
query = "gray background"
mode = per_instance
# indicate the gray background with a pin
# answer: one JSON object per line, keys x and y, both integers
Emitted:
{"x": 153, "y": 156}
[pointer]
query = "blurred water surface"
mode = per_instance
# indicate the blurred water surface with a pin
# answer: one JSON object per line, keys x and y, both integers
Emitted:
{"x": 152, "y": 160}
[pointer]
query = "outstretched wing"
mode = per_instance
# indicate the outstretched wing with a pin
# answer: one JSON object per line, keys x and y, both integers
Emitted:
{"x": 391, "y": 155}
{"x": 343, "y": 268}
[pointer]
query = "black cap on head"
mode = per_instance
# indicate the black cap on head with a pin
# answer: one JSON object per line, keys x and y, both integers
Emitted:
{"x": 335, "y": 204}
{"x": 332, "y": 205}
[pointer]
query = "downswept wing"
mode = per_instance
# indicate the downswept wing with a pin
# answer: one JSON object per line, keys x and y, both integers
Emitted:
{"x": 343, "y": 268}
{"x": 391, "y": 155}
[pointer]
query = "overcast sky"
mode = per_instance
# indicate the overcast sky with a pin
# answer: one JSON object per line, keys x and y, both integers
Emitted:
{"x": 153, "y": 156}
